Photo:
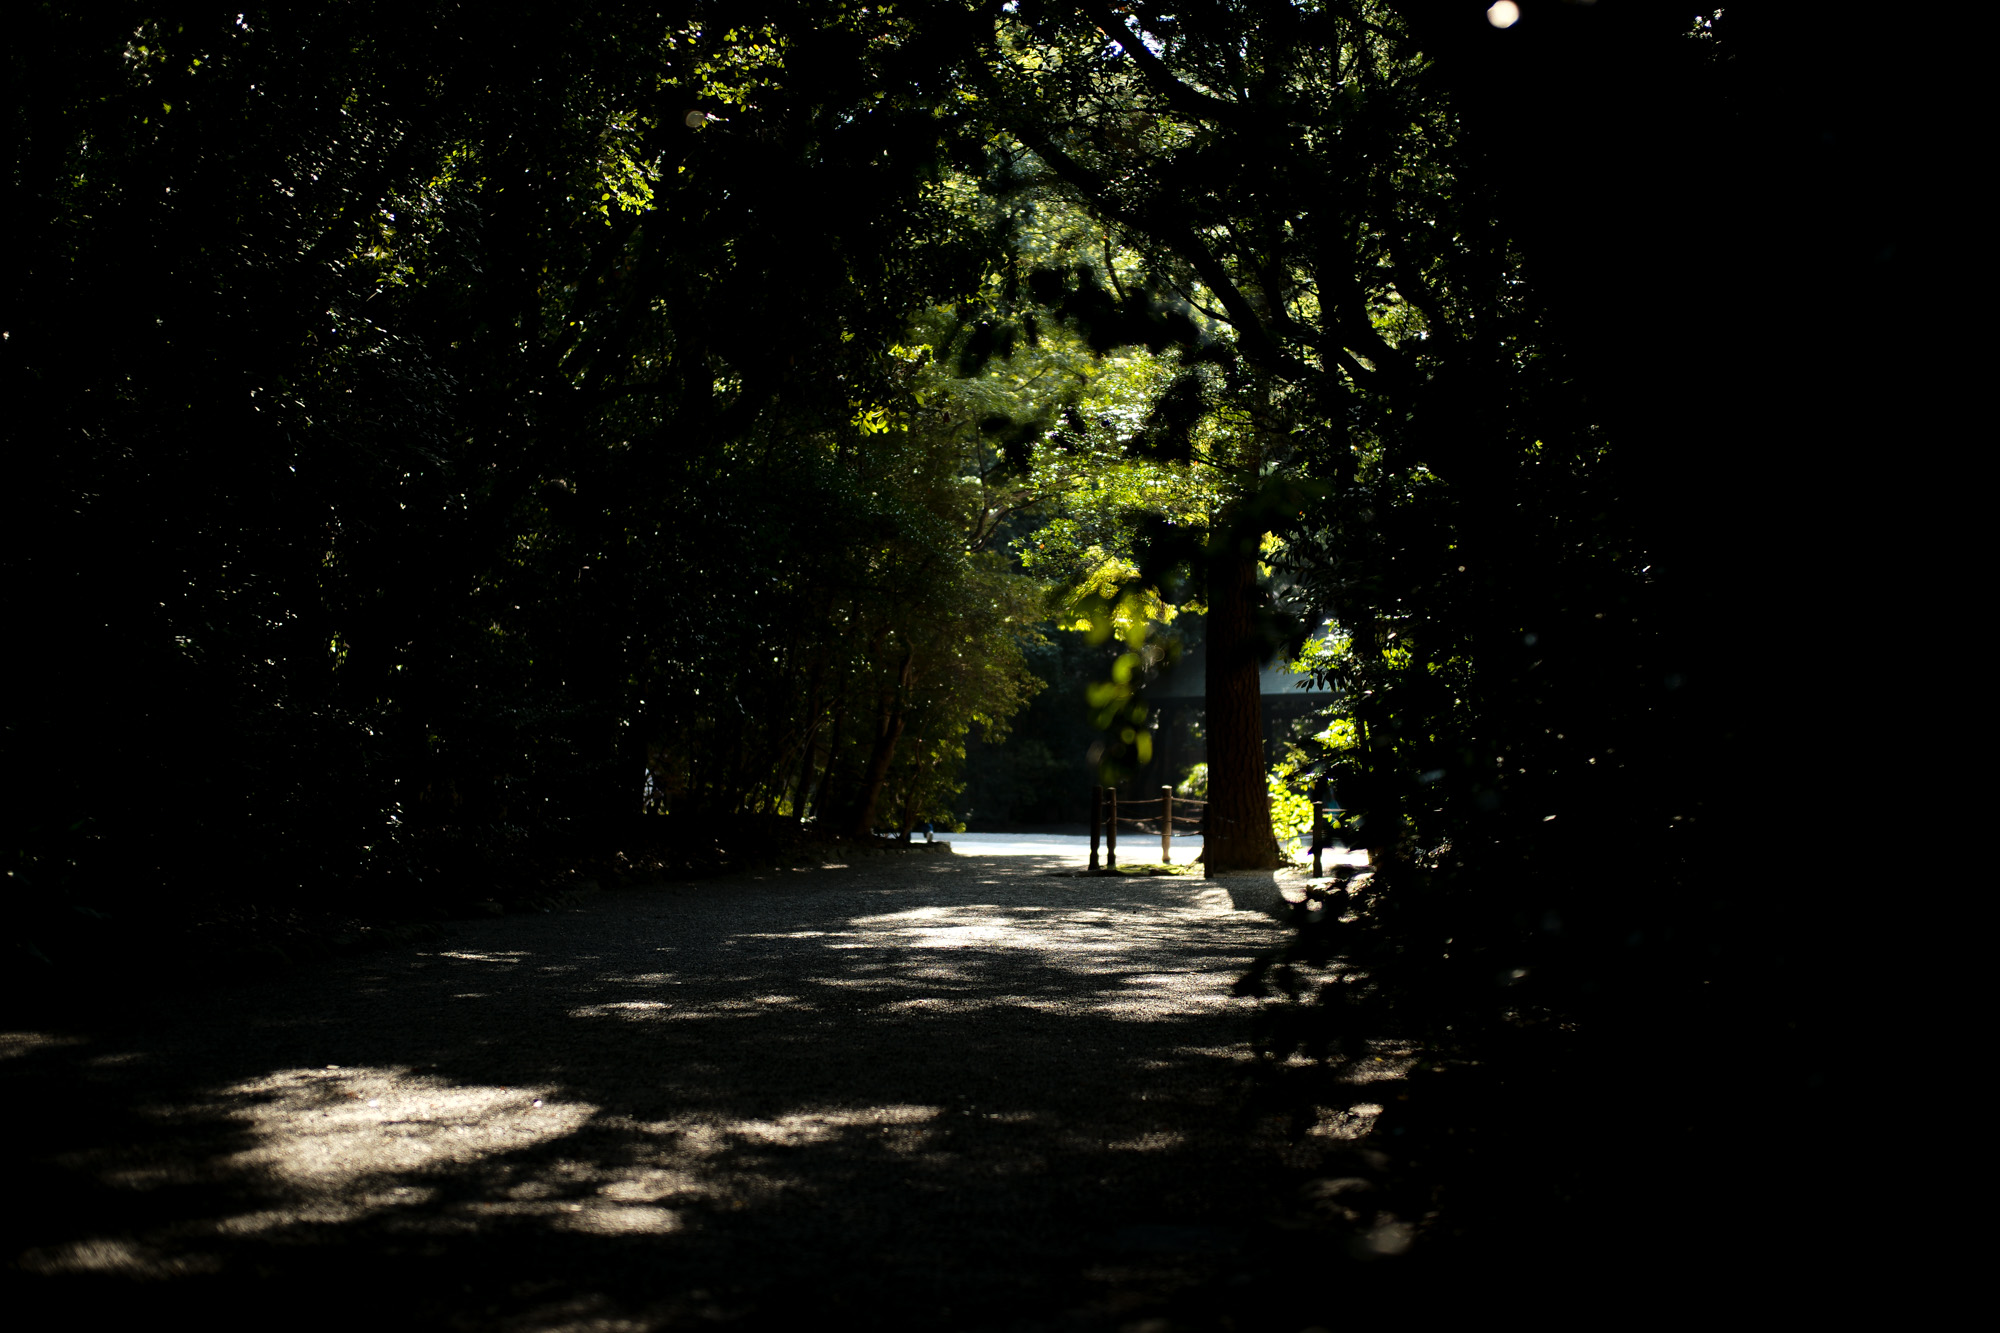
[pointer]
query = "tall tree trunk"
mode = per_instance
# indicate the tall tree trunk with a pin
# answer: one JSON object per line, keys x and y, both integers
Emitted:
{"x": 887, "y": 732}
{"x": 1238, "y": 835}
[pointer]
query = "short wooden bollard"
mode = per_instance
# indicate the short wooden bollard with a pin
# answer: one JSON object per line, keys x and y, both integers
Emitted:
{"x": 1096, "y": 819}
{"x": 1166, "y": 826}
{"x": 1319, "y": 836}
{"x": 1320, "y": 830}
{"x": 1111, "y": 828}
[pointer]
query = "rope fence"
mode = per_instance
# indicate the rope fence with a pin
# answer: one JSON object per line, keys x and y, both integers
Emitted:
{"x": 1106, "y": 814}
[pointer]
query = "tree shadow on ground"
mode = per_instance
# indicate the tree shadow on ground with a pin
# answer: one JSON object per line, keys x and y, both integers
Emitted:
{"x": 953, "y": 1093}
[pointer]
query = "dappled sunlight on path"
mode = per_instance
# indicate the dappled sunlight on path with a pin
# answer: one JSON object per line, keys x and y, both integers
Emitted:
{"x": 930, "y": 1088}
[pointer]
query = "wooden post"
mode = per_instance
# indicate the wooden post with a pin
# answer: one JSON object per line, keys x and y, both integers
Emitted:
{"x": 1166, "y": 826}
{"x": 1111, "y": 828}
{"x": 1319, "y": 824}
{"x": 1319, "y": 812}
{"x": 1096, "y": 818}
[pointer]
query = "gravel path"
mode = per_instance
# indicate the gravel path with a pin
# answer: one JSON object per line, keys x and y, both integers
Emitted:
{"x": 922, "y": 1091}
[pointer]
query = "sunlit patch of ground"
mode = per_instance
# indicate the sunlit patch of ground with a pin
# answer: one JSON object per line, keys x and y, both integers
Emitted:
{"x": 333, "y": 1130}
{"x": 114, "y": 1256}
{"x": 14, "y": 1044}
{"x": 1063, "y": 847}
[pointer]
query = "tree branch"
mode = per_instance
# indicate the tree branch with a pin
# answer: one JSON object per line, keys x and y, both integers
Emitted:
{"x": 1182, "y": 98}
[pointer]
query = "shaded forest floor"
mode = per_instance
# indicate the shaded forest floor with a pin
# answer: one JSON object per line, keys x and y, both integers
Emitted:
{"x": 100, "y": 950}
{"x": 918, "y": 1091}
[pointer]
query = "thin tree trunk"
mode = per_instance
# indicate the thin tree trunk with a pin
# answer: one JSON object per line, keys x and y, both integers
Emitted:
{"x": 911, "y": 793}
{"x": 887, "y": 732}
{"x": 1238, "y": 834}
{"x": 811, "y": 743}
{"x": 829, "y": 775}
